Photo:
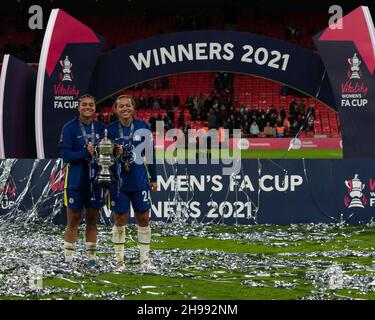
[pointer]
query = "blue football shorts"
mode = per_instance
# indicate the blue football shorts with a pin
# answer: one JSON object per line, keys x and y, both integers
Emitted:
{"x": 120, "y": 203}
{"x": 76, "y": 199}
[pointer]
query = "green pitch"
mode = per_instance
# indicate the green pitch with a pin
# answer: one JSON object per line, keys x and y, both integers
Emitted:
{"x": 235, "y": 262}
{"x": 262, "y": 154}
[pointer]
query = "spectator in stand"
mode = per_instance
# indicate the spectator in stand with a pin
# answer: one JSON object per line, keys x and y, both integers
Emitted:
{"x": 156, "y": 105}
{"x": 155, "y": 84}
{"x": 171, "y": 115}
{"x": 111, "y": 118}
{"x": 168, "y": 124}
{"x": 293, "y": 109}
{"x": 280, "y": 130}
{"x": 168, "y": 103}
{"x": 203, "y": 114}
{"x": 284, "y": 90}
{"x": 180, "y": 119}
{"x": 292, "y": 32}
{"x": 159, "y": 99}
{"x": 150, "y": 102}
{"x": 212, "y": 120}
{"x": 152, "y": 122}
{"x": 262, "y": 120}
{"x": 164, "y": 83}
{"x": 302, "y": 121}
{"x": 301, "y": 108}
{"x": 294, "y": 128}
{"x": 244, "y": 118}
{"x": 286, "y": 125}
{"x": 230, "y": 125}
{"x": 246, "y": 128}
{"x": 187, "y": 128}
{"x": 101, "y": 117}
{"x": 176, "y": 101}
{"x": 282, "y": 114}
{"x": 243, "y": 109}
{"x": 269, "y": 131}
{"x": 141, "y": 103}
{"x": 254, "y": 129}
{"x": 311, "y": 110}
{"x": 201, "y": 101}
{"x": 189, "y": 103}
{"x": 310, "y": 122}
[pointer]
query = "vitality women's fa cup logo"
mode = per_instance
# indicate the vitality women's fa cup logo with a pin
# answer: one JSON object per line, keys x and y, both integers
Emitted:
{"x": 355, "y": 187}
{"x": 67, "y": 73}
{"x": 354, "y": 71}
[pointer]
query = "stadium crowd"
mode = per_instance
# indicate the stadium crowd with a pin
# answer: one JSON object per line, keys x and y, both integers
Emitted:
{"x": 219, "y": 110}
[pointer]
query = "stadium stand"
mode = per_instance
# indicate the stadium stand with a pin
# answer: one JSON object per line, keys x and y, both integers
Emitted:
{"x": 251, "y": 93}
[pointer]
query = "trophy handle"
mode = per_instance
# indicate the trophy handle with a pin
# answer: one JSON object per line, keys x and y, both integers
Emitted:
{"x": 96, "y": 152}
{"x": 120, "y": 155}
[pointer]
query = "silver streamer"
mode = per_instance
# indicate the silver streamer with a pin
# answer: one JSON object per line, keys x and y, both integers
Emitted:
{"x": 49, "y": 201}
{"x": 30, "y": 250}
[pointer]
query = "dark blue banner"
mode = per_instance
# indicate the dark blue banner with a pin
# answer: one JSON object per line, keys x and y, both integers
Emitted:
{"x": 69, "y": 53}
{"x": 17, "y": 98}
{"x": 285, "y": 192}
{"x": 32, "y": 189}
{"x": 236, "y": 52}
{"x": 268, "y": 192}
{"x": 348, "y": 53}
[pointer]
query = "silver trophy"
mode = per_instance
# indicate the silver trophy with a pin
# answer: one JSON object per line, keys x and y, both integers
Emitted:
{"x": 105, "y": 158}
{"x": 66, "y": 65}
{"x": 354, "y": 67}
{"x": 355, "y": 188}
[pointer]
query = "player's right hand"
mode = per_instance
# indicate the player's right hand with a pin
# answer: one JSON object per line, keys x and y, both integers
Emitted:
{"x": 118, "y": 150}
{"x": 91, "y": 148}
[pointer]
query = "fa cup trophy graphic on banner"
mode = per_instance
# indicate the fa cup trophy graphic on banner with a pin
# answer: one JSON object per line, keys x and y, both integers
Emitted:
{"x": 355, "y": 187}
{"x": 104, "y": 158}
{"x": 354, "y": 72}
{"x": 66, "y": 65}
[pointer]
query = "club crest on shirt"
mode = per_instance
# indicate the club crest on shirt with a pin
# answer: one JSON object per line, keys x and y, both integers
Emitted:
{"x": 129, "y": 154}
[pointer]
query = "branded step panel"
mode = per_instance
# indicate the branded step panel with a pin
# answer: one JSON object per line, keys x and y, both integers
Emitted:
{"x": 17, "y": 112}
{"x": 349, "y": 56}
{"x": 275, "y": 191}
{"x": 68, "y": 56}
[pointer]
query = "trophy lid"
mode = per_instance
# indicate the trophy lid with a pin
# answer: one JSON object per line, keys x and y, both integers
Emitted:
{"x": 105, "y": 140}
{"x": 356, "y": 178}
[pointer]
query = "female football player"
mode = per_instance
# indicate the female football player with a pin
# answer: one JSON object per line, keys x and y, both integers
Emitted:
{"x": 136, "y": 177}
{"x": 76, "y": 147}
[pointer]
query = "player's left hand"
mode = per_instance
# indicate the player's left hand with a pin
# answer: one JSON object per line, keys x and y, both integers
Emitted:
{"x": 118, "y": 150}
{"x": 153, "y": 186}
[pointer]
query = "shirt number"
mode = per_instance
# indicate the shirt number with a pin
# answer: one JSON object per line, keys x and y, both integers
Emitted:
{"x": 146, "y": 196}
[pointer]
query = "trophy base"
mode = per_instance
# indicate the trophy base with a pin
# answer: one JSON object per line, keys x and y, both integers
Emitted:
{"x": 66, "y": 78}
{"x": 356, "y": 203}
{"x": 105, "y": 179}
